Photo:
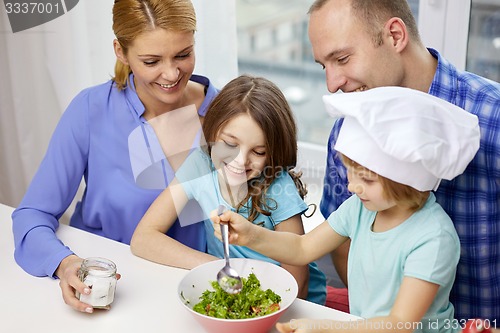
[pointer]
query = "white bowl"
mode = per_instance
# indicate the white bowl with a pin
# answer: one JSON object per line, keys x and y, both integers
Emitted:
{"x": 270, "y": 276}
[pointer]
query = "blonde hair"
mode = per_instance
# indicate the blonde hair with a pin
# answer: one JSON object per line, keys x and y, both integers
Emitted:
{"x": 134, "y": 17}
{"x": 402, "y": 194}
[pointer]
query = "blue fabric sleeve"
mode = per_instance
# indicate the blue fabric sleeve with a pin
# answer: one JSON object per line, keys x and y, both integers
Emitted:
{"x": 92, "y": 140}
{"x": 345, "y": 218}
{"x": 285, "y": 195}
{"x": 38, "y": 250}
{"x": 426, "y": 261}
{"x": 335, "y": 190}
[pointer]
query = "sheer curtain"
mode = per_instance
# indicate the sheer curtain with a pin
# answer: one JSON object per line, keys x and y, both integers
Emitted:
{"x": 43, "y": 68}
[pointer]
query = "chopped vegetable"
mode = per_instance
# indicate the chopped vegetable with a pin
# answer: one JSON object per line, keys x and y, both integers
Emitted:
{"x": 251, "y": 302}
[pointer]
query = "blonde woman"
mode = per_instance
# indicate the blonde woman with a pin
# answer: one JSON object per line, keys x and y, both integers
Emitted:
{"x": 106, "y": 136}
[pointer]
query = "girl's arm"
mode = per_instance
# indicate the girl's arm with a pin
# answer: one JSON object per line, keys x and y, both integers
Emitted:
{"x": 150, "y": 241}
{"x": 300, "y": 273}
{"x": 414, "y": 298}
{"x": 285, "y": 247}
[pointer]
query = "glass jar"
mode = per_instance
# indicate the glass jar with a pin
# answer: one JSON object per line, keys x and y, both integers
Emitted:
{"x": 99, "y": 274}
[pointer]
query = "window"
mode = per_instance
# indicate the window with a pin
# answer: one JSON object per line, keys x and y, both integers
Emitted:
{"x": 286, "y": 59}
{"x": 483, "y": 48}
{"x": 469, "y": 34}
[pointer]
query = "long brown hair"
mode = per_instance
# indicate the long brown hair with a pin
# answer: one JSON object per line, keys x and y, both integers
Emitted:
{"x": 264, "y": 102}
{"x": 134, "y": 17}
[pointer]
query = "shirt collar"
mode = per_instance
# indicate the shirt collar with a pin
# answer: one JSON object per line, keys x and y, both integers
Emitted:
{"x": 133, "y": 98}
{"x": 445, "y": 82}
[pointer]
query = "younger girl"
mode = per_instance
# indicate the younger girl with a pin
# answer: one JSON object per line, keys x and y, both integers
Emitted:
{"x": 246, "y": 166}
{"x": 397, "y": 144}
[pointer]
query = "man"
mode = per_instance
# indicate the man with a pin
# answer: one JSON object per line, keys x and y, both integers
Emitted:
{"x": 363, "y": 44}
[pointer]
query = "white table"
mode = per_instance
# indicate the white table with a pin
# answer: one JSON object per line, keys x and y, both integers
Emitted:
{"x": 145, "y": 300}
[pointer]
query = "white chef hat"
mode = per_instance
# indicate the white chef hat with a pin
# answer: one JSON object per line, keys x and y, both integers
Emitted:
{"x": 405, "y": 135}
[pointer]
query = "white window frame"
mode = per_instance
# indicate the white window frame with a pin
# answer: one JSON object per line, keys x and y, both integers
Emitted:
{"x": 216, "y": 43}
{"x": 449, "y": 38}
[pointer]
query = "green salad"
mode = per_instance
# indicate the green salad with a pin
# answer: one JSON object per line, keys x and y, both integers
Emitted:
{"x": 251, "y": 302}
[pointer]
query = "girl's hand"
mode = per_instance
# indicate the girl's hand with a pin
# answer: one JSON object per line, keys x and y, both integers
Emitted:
{"x": 240, "y": 229}
{"x": 67, "y": 272}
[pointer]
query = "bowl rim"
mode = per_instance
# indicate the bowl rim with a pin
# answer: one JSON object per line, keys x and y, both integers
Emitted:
{"x": 180, "y": 297}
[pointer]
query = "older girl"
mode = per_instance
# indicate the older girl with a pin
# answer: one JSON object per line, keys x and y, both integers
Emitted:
{"x": 246, "y": 166}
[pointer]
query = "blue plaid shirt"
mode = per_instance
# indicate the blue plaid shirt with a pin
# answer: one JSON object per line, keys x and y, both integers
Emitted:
{"x": 472, "y": 199}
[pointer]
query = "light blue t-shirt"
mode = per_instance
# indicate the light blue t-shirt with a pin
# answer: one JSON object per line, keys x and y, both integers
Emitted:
{"x": 425, "y": 246}
{"x": 199, "y": 181}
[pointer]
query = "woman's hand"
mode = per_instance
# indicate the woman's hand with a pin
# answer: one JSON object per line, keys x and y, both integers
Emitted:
{"x": 67, "y": 272}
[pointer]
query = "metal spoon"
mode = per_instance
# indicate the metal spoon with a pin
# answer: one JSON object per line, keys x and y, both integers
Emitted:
{"x": 229, "y": 280}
